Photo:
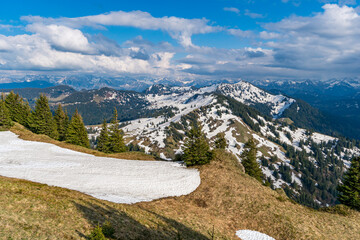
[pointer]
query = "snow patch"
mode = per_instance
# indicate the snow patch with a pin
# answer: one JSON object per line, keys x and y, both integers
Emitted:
{"x": 116, "y": 180}
{"x": 252, "y": 235}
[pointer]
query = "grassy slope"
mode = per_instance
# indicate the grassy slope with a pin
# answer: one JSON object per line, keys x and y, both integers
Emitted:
{"x": 227, "y": 199}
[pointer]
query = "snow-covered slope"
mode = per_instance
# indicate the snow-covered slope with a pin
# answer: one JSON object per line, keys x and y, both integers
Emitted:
{"x": 116, "y": 180}
{"x": 292, "y": 158}
{"x": 247, "y": 93}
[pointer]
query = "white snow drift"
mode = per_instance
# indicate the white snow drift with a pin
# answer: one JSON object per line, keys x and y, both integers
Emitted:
{"x": 116, "y": 180}
{"x": 252, "y": 235}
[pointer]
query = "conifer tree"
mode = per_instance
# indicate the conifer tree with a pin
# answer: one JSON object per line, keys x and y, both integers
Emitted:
{"x": 19, "y": 110}
{"x": 103, "y": 143}
{"x": 62, "y": 122}
{"x": 220, "y": 141}
{"x": 196, "y": 148}
{"x": 350, "y": 188}
{"x": 5, "y": 120}
{"x": 116, "y": 141}
{"x": 42, "y": 121}
{"x": 76, "y": 132}
{"x": 249, "y": 160}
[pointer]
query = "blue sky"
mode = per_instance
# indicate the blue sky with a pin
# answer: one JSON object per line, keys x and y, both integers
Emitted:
{"x": 245, "y": 39}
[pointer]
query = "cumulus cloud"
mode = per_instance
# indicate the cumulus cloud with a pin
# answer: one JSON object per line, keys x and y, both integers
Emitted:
{"x": 36, "y": 52}
{"x": 324, "y": 44}
{"x": 62, "y": 37}
{"x": 180, "y": 29}
{"x": 319, "y": 43}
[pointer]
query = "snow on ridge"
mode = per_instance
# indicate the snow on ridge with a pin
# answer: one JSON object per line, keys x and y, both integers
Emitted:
{"x": 247, "y": 93}
{"x": 116, "y": 180}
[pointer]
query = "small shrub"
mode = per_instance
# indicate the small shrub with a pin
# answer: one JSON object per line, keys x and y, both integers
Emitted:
{"x": 97, "y": 234}
{"x": 108, "y": 229}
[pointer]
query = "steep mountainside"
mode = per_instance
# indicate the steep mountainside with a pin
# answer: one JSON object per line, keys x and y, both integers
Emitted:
{"x": 339, "y": 99}
{"x": 308, "y": 165}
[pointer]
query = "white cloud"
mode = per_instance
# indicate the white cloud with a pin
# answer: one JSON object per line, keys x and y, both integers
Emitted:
{"x": 62, "y": 37}
{"x": 232, "y": 9}
{"x": 324, "y": 44}
{"x": 241, "y": 33}
{"x": 269, "y": 35}
{"x": 36, "y": 52}
{"x": 180, "y": 29}
{"x": 327, "y": 42}
{"x": 252, "y": 14}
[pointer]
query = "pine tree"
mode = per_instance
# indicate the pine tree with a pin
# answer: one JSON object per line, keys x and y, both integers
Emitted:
{"x": 76, "y": 132}
{"x": 196, "y": 148}
{"x": 5, "y": 120}
{"x": 62, "y": 122}
{"x": 19, "y": 110}
{"x": 249, "y": 160}
{"x": 103, "y": 143}
{"x": 116, "y": 141}
{"x": 42, "y": 121}
{"x": 220, "y": 141}
{"x": 350, "y": 189}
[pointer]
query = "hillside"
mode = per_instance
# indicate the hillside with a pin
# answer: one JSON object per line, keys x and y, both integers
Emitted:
{"x": 307, "y": 165}
{"x": 226, "y": 201}
{"x": 337, "y": 98}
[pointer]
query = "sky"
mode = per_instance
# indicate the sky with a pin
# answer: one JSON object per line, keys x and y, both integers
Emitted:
{"x": 213, "y": 39}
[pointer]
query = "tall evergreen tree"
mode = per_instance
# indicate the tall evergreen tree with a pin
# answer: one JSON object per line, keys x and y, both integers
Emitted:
{"x": 76, "y": 132}
{"x": 103, "y": 143}
{"x": 350, "y": 188}
{"x": 5, "y": 120}
{"x": 62, "y": 122}
{"x": 116, "y": 141}
{"x": 249, "y": 160}
{"x": 42, "y": 121}
{"x": 19, "y": 110}
{"x": 196, "y": 148}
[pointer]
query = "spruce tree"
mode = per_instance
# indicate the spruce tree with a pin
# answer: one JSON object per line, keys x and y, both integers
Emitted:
{"x": 62, "y": 122}
{"x": 19, "y": 110}
{"x": 76, "y": 132}
{"x": 249, "y": 160}
{"x": 5, "y": 120}
{"x": 116, "y": 141}
{"x": 42, "y": 121}
{"x": 350, "y": 188}
{"x": 103, "y": 143}
{"x": 196, "y": 148}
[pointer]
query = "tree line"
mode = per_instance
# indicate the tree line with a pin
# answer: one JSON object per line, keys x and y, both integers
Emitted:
{"x": 41, "y": 120}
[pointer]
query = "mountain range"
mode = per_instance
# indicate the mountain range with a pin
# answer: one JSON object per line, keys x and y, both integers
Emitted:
{"x": 293, "y": 149}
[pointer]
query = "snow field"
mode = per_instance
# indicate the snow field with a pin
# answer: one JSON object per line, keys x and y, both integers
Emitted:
{"x": 116, "y": 180}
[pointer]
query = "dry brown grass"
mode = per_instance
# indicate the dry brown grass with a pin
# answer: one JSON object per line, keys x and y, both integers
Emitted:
{"x": 231, "y": 200}
{"x": 28, "y": 135}
{"x": 227, "y": 199}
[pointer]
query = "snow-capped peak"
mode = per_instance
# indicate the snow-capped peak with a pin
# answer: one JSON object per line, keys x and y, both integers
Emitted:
{"x": 247, "y": 93}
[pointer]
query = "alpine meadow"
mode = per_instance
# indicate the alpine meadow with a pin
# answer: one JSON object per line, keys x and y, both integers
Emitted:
{"x": 180, "y": 120}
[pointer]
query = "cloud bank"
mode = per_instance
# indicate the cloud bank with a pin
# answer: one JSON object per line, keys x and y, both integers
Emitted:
{"x": 319, "y": 46}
